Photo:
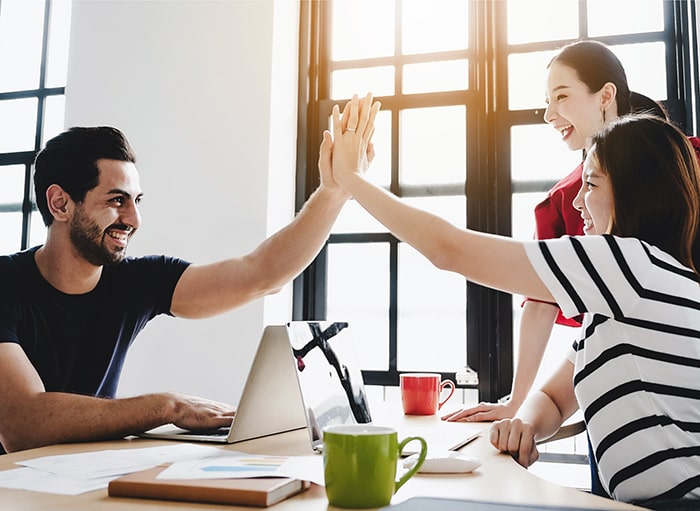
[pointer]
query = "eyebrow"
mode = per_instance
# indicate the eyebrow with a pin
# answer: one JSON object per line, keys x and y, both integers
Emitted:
{"x": 124, "y": 193}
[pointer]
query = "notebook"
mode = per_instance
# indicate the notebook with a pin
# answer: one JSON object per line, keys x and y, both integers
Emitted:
{"x": 260, "y": 492}
{"x": 305, "y": 374}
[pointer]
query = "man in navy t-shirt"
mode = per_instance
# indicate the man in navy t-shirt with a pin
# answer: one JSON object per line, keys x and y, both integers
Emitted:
{"x": 70, "y": 309}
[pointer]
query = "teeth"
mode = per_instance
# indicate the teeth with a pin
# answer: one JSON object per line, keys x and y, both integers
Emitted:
{"x": 121, "y": 237}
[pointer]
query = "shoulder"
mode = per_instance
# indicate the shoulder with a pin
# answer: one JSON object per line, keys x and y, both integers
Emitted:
{"x": 17, "y": 264}
{"x": 695, "y": 142}
{"x": 149, "y": 267}
{"x": 570, "y": 183}
{"x": 608, "y": 253}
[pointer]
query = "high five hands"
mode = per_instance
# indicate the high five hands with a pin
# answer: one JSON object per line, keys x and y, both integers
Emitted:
{"x": 353, "y": 150}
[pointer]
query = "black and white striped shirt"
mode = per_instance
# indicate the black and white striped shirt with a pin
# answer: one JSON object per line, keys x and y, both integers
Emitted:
{"x": 637, "y": 360}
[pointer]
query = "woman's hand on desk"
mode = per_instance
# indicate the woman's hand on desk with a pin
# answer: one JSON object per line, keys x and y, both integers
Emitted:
{"x": 196, "y": 413}
{"x": 483, "y": 412}
{"x": 517, "y": 438}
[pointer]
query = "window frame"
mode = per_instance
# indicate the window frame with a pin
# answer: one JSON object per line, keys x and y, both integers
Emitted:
{"x": 27, "y": 206}
{"x": 487, "y": 176}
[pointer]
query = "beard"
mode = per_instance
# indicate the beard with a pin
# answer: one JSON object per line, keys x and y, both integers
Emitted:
{"x": 88, "y": 239}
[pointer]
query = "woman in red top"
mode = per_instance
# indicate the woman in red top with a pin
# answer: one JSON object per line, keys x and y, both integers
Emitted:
{"x": 586, "y": 88}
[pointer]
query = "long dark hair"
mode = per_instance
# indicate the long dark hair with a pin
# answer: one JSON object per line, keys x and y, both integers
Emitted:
{"x": 655, "y": 180}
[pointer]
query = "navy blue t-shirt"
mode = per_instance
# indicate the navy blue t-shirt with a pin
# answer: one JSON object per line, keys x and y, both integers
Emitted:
{"x": 77, "y": 343}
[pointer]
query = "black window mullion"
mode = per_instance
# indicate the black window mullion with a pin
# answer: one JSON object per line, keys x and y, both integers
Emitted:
{"x": 488, "y": 185}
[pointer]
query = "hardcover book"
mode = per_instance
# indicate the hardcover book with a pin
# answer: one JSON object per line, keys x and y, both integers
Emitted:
{"x": 259, "y": 492}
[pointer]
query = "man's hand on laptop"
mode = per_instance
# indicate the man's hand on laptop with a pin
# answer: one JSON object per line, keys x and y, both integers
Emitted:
{"x": 196, "y": 413}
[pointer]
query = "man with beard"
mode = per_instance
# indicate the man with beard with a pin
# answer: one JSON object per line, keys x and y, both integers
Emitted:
{"x": 69, "y": 309}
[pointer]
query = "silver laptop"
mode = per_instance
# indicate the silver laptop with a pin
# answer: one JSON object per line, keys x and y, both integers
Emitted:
{"x": 305, "y": 374}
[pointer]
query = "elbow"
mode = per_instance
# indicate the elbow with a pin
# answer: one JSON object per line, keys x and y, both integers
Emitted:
{"x": 444, "y": 258}
{"x": 18, "y": 442}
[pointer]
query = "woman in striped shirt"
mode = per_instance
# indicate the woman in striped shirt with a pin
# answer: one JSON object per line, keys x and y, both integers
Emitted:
{"x": 635, "y": 370}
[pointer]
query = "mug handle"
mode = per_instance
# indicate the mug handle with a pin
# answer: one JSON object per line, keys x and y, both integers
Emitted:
{"x": 416, "y": 466}
{"x": 446, "y": 383}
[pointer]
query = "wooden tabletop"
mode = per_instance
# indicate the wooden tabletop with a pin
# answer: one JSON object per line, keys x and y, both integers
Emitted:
{"x": 498, "y": 479}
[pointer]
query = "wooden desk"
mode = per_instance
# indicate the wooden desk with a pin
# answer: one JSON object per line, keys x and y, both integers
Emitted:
{"x": 498, "y": 479}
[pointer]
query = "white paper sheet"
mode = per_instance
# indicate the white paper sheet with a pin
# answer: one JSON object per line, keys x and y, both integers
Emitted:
{"x": 234, "y": 465}
{"x": 107, "y": 463}
{"x": 73, "y": 474}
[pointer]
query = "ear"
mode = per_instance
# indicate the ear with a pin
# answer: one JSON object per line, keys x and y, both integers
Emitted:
{"x": 608, "y": 94}
{"x": 58, "y": 200}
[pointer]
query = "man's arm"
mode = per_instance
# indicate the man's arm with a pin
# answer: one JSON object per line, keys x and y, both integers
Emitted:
{"x": 31, "y": 417}
{"x": 207, "y": 290}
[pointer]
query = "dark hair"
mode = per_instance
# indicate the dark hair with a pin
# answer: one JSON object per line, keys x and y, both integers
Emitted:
{"x": 655, "y": 179}
{"x": 70, "y": 161}
{"x": 642, "y": 104}
{"x": 595, "y": 64}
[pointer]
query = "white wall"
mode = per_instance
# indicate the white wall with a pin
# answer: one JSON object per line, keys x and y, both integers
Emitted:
{"x": 206, "y": 93}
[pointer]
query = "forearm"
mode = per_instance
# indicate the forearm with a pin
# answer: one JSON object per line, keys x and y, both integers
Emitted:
{"x": 547, "y": 408}
{"x": 535, "y": 330}
{"x": 494, "y": 261}
{"x": 53, "y": 417}
{"x": 541, "y": 412}
{"x": 212, "y": 289}
{"x": 285, "y": 254}
{"x": 427, "y": 233}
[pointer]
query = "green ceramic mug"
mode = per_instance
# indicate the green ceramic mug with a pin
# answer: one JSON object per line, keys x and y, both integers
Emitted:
{"x": 360, "y": 464}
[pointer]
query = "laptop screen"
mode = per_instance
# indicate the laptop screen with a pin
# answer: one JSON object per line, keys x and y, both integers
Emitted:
{"x": 329, "y": 376}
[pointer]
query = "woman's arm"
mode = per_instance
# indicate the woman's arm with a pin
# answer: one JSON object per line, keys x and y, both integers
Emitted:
{"x": 494, "y": 261}
{"x": 535, "y": 329}
{"x": 540, "y": 416}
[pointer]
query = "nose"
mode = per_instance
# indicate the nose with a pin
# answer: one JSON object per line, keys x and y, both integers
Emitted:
{"x": 578, "y": 200}
{"x": 549, "y": 113}
{"x": 131, "y": 215}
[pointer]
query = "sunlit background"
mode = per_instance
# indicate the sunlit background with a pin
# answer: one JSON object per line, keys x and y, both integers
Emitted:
{"x": 432, "y": 148}
{"x": 32, "y": 81}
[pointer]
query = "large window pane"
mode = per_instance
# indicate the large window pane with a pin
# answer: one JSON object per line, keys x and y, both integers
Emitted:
{"x": 431, "y": 307}
{"x": 436, "y": 76}
{"x": 428, "y": 27}
{"x": 433, "y": 145}
{"x": 358, "y": 292}
{"x": 378, "y": 80}
{"x": 608, "y": 17}
{"x": 17, "y": 124}
{"x": 11, "y": 184}
{"x": 59, "y": 32}
{"x": 54, "y": 116}
{"x": 645, "y": 66}
{"x": 527, "y": 77}
{"x": 21, "y": 26}
{"x": 11, "y": 229}
{"x": 362, "y": 29}
{"x": 541, "y": 20}
{"x": 537, "y": 153}
{"x": 354, "y": 218}
{"x": 522, "y": 214}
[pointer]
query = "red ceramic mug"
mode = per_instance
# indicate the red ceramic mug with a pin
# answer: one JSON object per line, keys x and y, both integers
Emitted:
{"x": 420, "y": 393}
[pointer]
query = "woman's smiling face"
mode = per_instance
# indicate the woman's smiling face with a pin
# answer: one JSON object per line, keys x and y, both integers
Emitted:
{"x": 572, "y": 109}
{"x": 595, "y": 198}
